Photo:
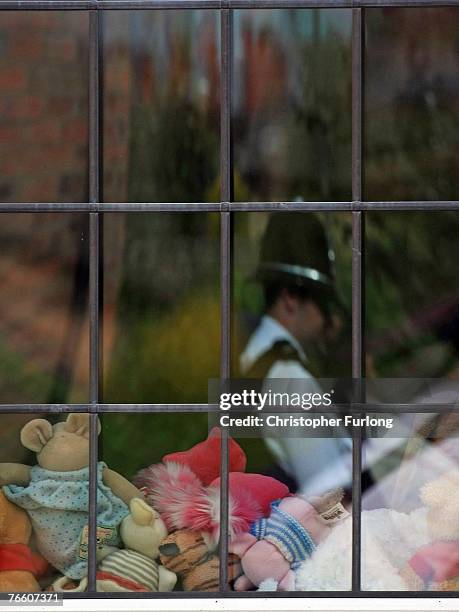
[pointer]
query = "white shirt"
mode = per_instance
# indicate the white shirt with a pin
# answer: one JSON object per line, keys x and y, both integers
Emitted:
{"x": 321, "y": 464}
{"x": 308, "y": 460}
{"x": 268, "y": 332}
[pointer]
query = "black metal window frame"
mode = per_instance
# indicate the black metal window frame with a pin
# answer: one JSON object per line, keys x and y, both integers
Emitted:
{"x": 95, "y": 207}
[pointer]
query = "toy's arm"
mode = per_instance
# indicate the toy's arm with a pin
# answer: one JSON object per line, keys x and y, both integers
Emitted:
{"x": 14, "y": 473}
{"x": 240, "y": 544}
{"x": 120, "y": 486}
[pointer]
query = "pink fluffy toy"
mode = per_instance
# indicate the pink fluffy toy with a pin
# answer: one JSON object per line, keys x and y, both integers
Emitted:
{"x": 184, "y": 501}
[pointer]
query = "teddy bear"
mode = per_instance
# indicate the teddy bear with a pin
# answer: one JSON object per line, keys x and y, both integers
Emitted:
{"x": 187, "y": 553}
{"x": 435, "y": 566}
{"x": 185, "y": 489}
{"x": 19, "y": 566}
{"x": 55, "y": 493}
{"x": 276, "y": 546}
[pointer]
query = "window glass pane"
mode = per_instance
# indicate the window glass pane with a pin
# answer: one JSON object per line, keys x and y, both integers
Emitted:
{"x": 43, "y": 106}
{"x": 161, "y": 306}
{"x": 161, "y": 106}
{"x": 318, "y": 474}
{"x": 43, "y": 308}
{"x": 408, "y": 527}
{"x": 171, "y": 553}
{"x": 158, "y": 439}
{"x": 292, "y": 104}
{"x": 292, "y": 280}
{"x": 412, "y": 307}
{"x": 44, "y": 502}
{"x": 411, "y": 101}
{"x": 292, "y": 283}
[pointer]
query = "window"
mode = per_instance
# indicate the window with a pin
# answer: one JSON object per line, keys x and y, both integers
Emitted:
{"x": 148, "y": 157}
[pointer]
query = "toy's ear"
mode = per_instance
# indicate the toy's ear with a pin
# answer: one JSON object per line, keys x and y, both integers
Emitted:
{"x": 436, "y": 492}
{"x": 142, "y": 513}
{"x": 79, "y": 424}
{"x": 36, "y": 434}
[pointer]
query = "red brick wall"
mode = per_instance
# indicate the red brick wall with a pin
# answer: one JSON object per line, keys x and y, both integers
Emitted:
{"x": 117, "y": 106}
{"x": 43, "y": 106}
{"x": 43, "y": 158}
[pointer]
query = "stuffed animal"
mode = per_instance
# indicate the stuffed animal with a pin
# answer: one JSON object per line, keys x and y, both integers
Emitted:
{"x": 204, "y": 458}
{"x": 435, "y": 566}
{"x": 184, "y": 501}
{"x": 388, "y": 539}
{"x": 55, "y": 493}
{"x": 277, "y": 546}
{"x": 19, "y": 566}
{"x": 135, "y": 568}
{"x": 186, "y": 553}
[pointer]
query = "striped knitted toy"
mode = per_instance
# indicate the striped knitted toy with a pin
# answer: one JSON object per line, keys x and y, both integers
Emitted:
{"x": 277, "y": 545}
{"x": 127, "y": 570}
{"x": 286, "y": 533}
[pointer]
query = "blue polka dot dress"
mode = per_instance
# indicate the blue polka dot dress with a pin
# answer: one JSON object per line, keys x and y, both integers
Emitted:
{"x": 58, "y": 505}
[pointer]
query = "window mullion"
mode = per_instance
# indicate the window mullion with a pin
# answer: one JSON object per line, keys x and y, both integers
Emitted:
{"x": 226, "y": 195}
{"x": 95, "y": 20}
{"x": 357, "y": 286}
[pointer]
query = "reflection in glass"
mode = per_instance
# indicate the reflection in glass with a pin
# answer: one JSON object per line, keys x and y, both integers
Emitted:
{"x": 411, "y": 101}
{"x": 292, "y": 104}
{"x": 44, "y": 106}
{"x": 154, "y": 436}
{"x": 161, "y": 307}
{"x": 411, "y": 295}
{"x": 43, "y": 308}
{"x": 44, "y": 503}
{"x": 298, "y": 261}
{"x": 409, "y": 527}
{"x": 320, "y": 502}
{"x": 161, "y": 106}
{"x": 291, "y": 297}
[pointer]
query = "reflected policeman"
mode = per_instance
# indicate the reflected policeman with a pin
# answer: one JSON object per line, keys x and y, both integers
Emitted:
{"x": 302, "y": 310}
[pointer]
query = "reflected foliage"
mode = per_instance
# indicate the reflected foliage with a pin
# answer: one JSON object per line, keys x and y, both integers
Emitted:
{"x": 412, "y": 94}
{"x": 292, "y": 128}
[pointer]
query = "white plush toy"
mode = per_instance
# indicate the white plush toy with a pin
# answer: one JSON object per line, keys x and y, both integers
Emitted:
{"x": 389, "y": 539}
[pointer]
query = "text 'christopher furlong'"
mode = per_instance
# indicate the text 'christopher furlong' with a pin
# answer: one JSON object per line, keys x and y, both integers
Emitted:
{"x": 276, "y": 420}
